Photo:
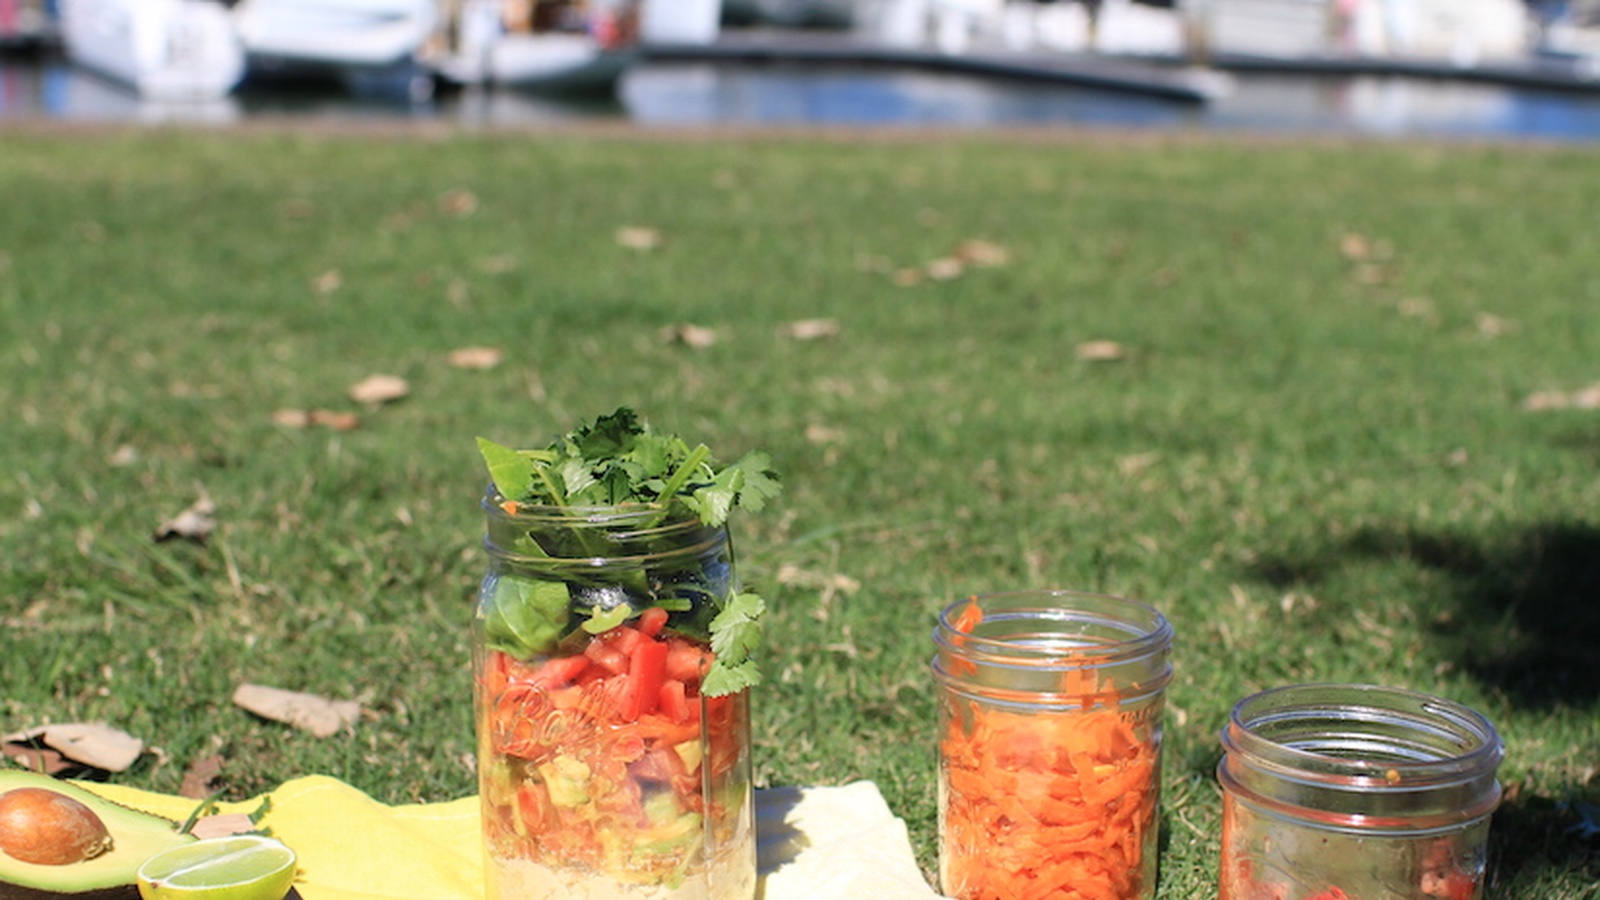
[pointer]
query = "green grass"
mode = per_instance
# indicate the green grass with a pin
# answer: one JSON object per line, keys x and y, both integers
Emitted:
{"x": 1319, "y": 469}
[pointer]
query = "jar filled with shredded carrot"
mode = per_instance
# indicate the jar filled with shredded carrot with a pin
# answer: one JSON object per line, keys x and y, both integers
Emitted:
{"x": 1355, "y": 792}
{"x": 1050, "y": 713}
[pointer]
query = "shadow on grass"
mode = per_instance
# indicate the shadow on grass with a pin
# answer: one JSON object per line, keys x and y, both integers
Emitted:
{"x": 1526, "y": 609}
{"x": 1522, "y": 617}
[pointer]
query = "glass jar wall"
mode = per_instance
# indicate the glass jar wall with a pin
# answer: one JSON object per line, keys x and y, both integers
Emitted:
{"x": 604, "y": 770}
{"x": 1050, "y": 708}
{"x": 1355, "y": 792}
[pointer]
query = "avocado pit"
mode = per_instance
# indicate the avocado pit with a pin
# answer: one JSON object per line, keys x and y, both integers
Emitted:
{"x": 41, "y": 826}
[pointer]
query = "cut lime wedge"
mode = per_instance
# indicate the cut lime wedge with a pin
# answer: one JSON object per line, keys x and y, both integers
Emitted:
{"x": 240, "y": 867}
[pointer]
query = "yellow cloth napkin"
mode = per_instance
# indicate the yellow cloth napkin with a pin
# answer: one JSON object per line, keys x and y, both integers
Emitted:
{"x": 841, "y": 842}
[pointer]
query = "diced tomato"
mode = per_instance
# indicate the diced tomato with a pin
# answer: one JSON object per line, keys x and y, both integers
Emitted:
{"x": 623, "y": 638}
{"x": 674, "y": 701}
{"x": 647, "y": 669}
{"x": 532, "y": 806}
{"x": 687, "y": 662}
{"x": 607, "y": 657}
{"x": 559, "y": 671}
{"x": 651, "y": 621}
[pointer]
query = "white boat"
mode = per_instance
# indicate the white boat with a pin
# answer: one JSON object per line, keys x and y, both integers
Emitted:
{"x": 336, "y": 33}
{"x": 559, "y": 47}
{"x": 166, "y": 50}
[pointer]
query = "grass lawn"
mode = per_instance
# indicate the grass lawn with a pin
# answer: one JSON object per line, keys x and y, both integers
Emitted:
{"x": 1304, "y": 433}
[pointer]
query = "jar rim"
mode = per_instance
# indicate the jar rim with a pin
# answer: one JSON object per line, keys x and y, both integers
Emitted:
{"x": 1127, "y": 629}
{"x": 1362, "y": 736}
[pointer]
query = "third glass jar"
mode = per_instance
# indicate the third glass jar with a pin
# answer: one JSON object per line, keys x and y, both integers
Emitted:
{"x": 1355, "y": 792}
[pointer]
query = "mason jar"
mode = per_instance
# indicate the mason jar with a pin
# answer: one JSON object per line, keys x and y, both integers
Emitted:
{"x": 1355, "y": 792}
{"x": 1050, "y": 709}
{"x": 604, "y": 771}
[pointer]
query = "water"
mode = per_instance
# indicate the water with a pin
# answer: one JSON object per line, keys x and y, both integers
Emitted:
{"x": 730, "y": 94}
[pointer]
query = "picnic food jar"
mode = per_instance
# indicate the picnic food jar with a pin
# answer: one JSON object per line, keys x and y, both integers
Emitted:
{"x": 603, "y": 769}
{"x": 1355, "y": 792}
{"x": 1050, "y": 706}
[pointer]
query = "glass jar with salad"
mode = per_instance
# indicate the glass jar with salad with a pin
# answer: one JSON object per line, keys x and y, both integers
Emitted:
{"x": 1050, "y": 709}
{"x": 613, "y": 660}
{"x": 1355, "y": 792}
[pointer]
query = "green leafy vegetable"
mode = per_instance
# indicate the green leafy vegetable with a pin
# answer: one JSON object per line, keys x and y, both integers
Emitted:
{"x": 526, "y": 616}
{"x": 735, "y": 634}
{"x": 619, "y": 460}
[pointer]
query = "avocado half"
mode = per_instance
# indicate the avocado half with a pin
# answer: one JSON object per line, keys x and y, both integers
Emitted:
{"x": 113, "y": 875}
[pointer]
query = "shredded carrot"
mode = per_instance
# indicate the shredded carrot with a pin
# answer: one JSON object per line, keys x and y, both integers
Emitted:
{"x": 1046, "y": 805}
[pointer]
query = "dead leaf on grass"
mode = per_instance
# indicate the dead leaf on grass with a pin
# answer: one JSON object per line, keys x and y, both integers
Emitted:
{"x": 698, "y": 337}
{"x": 1132, "y": 465}
{"x": 979, "y": 252}
{"x": 223, "y": 826}
{"x": 376, "y": 389}
{"x": 1492, "y": 326}
{"x": 476, "y": 357}
{"x": 195, "y": 523}
{"x": 327, "y": 282}
{"x": 124, "y": 455}
{"x": 1355, "y": 247}
{"x": 199, "y": 780}
{"x": 945, "y": 268}
{"x": 35, "y": 757}
{"x": 822, "y": 434}
{"x": 638, "y": 238}
{"x": 93, "y": 744}
{"x": 1100, "y": 351}
{"x": 809, "y": 329}
{"x": 309, "y": 712}
{"x": 459, "y": 202}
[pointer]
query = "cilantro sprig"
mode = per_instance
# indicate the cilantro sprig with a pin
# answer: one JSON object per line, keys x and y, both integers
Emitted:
{"x": 618, "y": 461}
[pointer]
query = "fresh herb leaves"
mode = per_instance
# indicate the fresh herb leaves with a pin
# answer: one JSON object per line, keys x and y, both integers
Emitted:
{"x": 735, "y": 634}
{"x": 618, "y": 460}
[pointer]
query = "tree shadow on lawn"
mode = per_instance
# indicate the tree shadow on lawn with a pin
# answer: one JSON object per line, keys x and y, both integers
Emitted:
{"x": 1526, "y": 610}
{"x": 1523, "y": 619}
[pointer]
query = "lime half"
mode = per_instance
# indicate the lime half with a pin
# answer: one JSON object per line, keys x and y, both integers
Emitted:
{"x": 241, "y": 867}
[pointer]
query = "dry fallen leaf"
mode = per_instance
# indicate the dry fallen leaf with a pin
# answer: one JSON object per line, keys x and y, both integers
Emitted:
{"x": 1543, "y": 400}
{"x": 195, "y": 523}
{"x": 1492, "y": 326}
{"x": 636, "y": 238}
{"x": 93, "y": 744}
{"x": 291, "y": 418}
{"x": 1100, "y": 351}
{"x": 310, "y": 712}
{"x": 379, "y": 389}
{"x": 223, "y": 826}
{"x": 476, "y": 357}
{"x": 979, "y": 252}
{"x": 36, "y": 757}
{"x": 459, "y": 202}
{"x": 337, "y": 421}
{"x": 822, "y": 434}
{"x": 327, "y": 282}
{"x": 199, "y": 781}
{"x": 1355, "y": 247}
{"x": 945, "y": 268}
{"x": 125, "y": 455}
{"x": 809, "y": 329}
{"x": 907, "y": 277}
{"x": 696, "y": 336}
{"x": 1587, "y": 398}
